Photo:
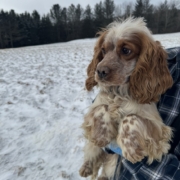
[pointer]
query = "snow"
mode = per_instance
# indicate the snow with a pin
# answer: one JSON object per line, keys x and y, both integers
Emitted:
{"x": 42, "y": 103}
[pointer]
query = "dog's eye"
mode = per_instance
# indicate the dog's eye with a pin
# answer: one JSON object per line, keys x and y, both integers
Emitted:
{"x": 103, "y": 51}
{"x": 126, "y": 51}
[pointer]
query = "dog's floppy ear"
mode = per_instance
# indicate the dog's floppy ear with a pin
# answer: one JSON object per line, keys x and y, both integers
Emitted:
{"x": 97, "y": 57}
{"x": 151, "y": 76}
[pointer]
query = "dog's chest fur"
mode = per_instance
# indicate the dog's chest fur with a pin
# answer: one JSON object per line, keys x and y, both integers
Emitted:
{"x": 119, "y": 104}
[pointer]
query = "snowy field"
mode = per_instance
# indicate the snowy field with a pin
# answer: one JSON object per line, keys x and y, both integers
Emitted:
{"x": 42, "y": 103}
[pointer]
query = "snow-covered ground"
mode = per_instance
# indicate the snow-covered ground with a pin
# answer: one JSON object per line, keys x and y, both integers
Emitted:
{"x": 42, "y": 103}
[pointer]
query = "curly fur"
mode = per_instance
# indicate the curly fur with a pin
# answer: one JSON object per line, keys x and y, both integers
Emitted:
{"x": 130, "y": 68}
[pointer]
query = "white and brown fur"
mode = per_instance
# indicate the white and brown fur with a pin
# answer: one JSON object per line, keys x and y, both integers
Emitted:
{"x": 130, "y": 69}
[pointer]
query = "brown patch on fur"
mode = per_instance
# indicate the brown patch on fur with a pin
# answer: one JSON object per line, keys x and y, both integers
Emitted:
{"x": 89, "y": 121}
{"x": 129, "y": 115}
{"x": 125, "y": 121}
{"x": 106, "y": 107}
{"x": 126, "y": 129}
{"x": 125, "y": 154}
{"x": 131, "y": 122}
{"x": 98, "y": 56}
{"x": 97, "y": 130}
{"x": 86, "y": 169}
{"x": 139, "y": 152}
{"x": 151, "y": 76}
{"x": 131, "y": 45}
{"x": 146, "y": 138}
{"x": 107, "y": 47}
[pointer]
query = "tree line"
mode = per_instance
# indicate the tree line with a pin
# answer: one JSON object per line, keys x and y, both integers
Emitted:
{"x": 63, "y": 24}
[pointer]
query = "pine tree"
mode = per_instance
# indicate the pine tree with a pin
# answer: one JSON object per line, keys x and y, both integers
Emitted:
{"x": 71, "y": 14}
{"x": 25, "y": 24}
{"x": 35, "y": 27}
{"x": 163, "y": 17}
{"x": 12, "y": 28}
{"x": 46, "y": 34}
{"x": 3, "y": 41}
{"x": 99, "y": 16}
{"x": 88, "y": 29}
{"x": 74, "y": 15}
{"x": 109, "y": 8}
{"x": 55, "y": 13}
{"x": 64, "y": 19}
{"x": 128, "y": 9}
{"x": 78, "y": 24}
{"x": 139, "y": 9}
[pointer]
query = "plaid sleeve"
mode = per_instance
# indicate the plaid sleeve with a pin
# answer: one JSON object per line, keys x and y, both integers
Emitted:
{"x": 167, "y": 169}
{"x": 169, "y": 104}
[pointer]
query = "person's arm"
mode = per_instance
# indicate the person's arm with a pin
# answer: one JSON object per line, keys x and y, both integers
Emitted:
{"x": 168, "y": 168}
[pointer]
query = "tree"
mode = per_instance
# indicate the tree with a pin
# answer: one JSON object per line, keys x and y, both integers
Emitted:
{"x": 74, "y": 15}
{"x": 78, "y": 24}
{"x": 174, "y": 24}
{"x": 118, "y": 11}
{"x": 35, "y": 28}
{"x": 128, "y": 9}
{"x": 109, "y": 8}
{"x": 25, "y": 24}
{"x": 64, "y": 29}
{"x": 143, "y": 8}
{"x": 163, "y": 17}
{"x": 55, "y": 14}
{"x": 139, "y": 9}
{"x": 176, "y": 3}
{"x": 71, "y": 14}
{"x": 46, "y": 34}
{"x": 12, "y": 28}
{"x": 88, "y": 29}
{"x": 99, "y": 15}
{"x": 3, "y": 31}
{"x": 149, "y": 13}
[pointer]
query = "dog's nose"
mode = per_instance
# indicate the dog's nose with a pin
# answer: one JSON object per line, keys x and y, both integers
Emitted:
{"x": 103, "y": 72}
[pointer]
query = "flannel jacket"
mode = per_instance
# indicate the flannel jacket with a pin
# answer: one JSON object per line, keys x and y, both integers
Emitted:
{"x": 169, "y": 109}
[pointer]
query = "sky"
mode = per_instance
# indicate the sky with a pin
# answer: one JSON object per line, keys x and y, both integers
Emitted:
{"x": 43, "y": 6}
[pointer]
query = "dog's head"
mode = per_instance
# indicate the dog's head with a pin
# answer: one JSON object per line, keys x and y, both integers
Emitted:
{"x": 127, "y": 53}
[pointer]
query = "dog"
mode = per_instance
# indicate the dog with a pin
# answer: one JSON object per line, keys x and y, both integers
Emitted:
{"x": 130, "y": 69}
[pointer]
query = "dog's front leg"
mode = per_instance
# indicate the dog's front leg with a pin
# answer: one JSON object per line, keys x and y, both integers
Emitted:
{"x": 130, "y": 139}
{"x": 99, "y": 127}
{"x": 139, "y": 137}
{"x": 109, "y": 166}
{"x": 93, "y": 159}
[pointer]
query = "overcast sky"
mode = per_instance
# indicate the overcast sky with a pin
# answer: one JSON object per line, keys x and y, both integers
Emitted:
{"x": 43, "y": 6}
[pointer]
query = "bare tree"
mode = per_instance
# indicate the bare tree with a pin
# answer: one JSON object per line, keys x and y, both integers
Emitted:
{"x": 176, "y": 3}
{"x": 128, "y": 9}
{"x": 118, "y": 10}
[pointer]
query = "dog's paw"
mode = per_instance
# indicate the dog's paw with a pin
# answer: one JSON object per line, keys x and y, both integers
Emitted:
{"x": 100, "y": 136}
{"x": 104, "y": 128}
{"x": 130, "y": 140}
{"x": 86, "y": 169}
{"x": 103, "y": 132}
{"x": 139, "y": 137}
{"x": 100, "y": 142}
{"x": 132, "y": 153}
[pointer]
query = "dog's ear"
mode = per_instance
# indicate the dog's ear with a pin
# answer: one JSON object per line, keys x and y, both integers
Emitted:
{"x": 97, "y": 57}
{"x": 151, "y": 76}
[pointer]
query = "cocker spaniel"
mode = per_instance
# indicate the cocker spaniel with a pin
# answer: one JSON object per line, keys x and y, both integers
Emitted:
{"x": 130, "y": 69}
